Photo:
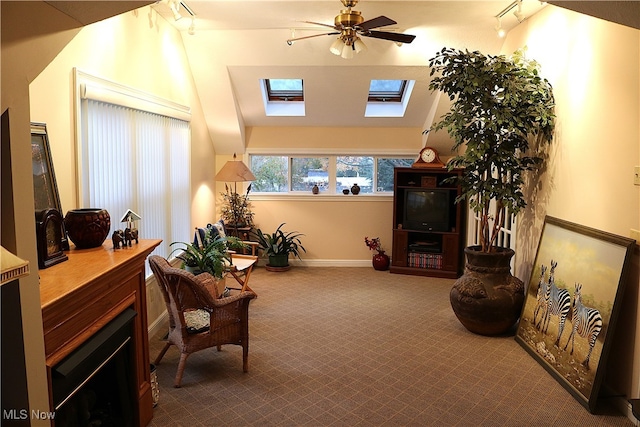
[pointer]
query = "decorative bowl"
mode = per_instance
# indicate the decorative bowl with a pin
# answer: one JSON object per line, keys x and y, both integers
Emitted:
{"x": 87, "y": 227}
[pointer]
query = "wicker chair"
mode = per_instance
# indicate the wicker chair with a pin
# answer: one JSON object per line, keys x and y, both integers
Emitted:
{"x": 198, "y": 319}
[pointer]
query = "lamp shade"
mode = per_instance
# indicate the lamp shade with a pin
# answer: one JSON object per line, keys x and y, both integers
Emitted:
{"x": 235, "y": 171}
{"x": 13, "y": 267}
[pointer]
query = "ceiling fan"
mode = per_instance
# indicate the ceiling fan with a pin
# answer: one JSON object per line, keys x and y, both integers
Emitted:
{"x": 349, "y": 25}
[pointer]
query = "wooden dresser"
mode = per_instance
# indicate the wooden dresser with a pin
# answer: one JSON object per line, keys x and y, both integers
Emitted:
{"x": 84, "y": 293}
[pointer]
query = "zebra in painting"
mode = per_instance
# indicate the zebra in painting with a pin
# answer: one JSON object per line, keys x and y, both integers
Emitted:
{"x": 586, "y": 321}
{"x": 558, "y": 304}
{"x": 541, "y": 298}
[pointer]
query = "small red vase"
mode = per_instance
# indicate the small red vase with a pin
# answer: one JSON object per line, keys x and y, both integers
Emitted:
{"x": 381, "y": 261}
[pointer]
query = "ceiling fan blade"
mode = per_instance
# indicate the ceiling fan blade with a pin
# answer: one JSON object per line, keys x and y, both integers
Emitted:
{"x": 290, "y": 41}
{"x": 380, "y": 21}
{"x": 395, "y": 37}
{"x": 320, "y": 23}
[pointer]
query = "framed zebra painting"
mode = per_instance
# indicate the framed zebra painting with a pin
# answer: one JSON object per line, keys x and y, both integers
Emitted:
{"x": 571, "y": 304}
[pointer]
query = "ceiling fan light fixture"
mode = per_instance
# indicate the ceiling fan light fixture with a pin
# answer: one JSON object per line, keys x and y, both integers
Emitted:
{"x": 359, "y": 45}
{"x": 347, "y": 51}
{"x": 336, "y": 46}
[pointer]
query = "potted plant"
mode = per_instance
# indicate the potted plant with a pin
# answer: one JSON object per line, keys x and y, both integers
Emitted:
{"x": 380, "y": 260}
{"x": 211, "y": 257}
{"x": 278, "y": 245}
{"x": 502, "y": 114}
{"x": 236, "y": 208}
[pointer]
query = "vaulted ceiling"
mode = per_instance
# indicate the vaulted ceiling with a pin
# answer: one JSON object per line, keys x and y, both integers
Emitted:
{"x": 237, "y": 43}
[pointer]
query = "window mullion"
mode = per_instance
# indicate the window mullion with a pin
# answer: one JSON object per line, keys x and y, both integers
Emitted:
{"x": 332, "y": 174}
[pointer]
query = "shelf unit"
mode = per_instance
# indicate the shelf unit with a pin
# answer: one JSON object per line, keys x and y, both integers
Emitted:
{"x": 417, "y": 250}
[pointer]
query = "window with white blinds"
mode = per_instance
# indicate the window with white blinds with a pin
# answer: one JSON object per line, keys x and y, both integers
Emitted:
{"x": 132, "y": 159}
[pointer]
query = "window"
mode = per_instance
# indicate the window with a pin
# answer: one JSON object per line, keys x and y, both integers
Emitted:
{"x": 134, "y": 159}
{"x": 309, "y": 171}
{"x": 387, "y": 90}
{"x": 332, "y": 174}
{"x": 284, "y": 89}
{"x": 352, "y": 170}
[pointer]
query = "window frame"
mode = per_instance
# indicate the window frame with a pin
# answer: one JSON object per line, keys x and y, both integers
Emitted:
{"x": 387, "y": 96}
{"x": 332, "y": 155}
{"x": 275, "y": 95}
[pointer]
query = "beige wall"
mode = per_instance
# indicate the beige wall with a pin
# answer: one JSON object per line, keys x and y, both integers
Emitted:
{"x": 137, "y": 49}
{"x": 334, "y": 227}
{"x": 593, "y": 67}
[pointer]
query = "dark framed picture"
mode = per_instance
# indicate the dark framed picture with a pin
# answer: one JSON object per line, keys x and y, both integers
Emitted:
{"x": 45, "y": 188}
{"x": 572, "y": 302}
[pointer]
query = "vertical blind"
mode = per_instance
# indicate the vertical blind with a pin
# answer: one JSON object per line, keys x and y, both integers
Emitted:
{"x": 132, "y": 159}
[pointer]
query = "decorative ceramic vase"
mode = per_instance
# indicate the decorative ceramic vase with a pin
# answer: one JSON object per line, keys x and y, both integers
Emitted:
{"x": 487, "y": 299}
{"x": 315, "y": 189}
{"x": 380, "y": 261}
{"x": 345, "y": 191}
{"x": 355, "y": 189}
{"x": 88, "y": 227}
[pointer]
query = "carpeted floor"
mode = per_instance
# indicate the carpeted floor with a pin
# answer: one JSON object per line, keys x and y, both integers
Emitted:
{"x": 359, "y": 347}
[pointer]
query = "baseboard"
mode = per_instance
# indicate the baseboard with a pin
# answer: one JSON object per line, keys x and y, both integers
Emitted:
{"x": 326, "y": 263}
{"x": 621, "y": 403}
{"x": 160, "y": 324}
{"x": 624, "y": 406}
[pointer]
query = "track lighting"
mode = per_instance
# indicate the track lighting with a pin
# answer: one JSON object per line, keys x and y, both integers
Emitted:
{"x": 499, "y": 29}
{"x": 175, "y": 9}
{"x": 518, "y": 14}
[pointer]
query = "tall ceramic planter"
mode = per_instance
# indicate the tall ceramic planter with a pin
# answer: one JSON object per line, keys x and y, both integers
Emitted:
{"x": 487, "y": 299}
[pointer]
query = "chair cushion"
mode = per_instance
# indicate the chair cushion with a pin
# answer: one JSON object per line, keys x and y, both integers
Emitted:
{"x": 216, "y": 229}
{"x": 219, "y": 227}
{"x": 197, "y": 321}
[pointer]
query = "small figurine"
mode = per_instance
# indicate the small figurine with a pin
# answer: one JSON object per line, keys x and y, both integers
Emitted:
{"x": 118, "y": 239}
{"x": 131, "y": 231}
{"x": 129, "y": 235}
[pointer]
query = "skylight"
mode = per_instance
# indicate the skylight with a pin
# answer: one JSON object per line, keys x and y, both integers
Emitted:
{"x": 388, "y": 98}
{"x": 284, "y": 89}
{"x": 387, "y": 90}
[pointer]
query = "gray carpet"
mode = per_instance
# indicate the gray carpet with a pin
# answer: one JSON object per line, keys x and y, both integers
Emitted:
{"x": 359, "y": 347}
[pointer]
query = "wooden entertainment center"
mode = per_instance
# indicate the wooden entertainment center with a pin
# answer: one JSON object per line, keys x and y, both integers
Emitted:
{"x": 428, "y": 226}
{"x": 83, "y": 296}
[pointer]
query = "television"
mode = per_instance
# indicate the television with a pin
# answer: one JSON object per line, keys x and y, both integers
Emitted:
{"x": 427, "y": 209}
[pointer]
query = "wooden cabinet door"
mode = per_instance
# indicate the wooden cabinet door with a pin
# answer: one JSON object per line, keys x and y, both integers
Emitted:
{"x": 400, "y": 245}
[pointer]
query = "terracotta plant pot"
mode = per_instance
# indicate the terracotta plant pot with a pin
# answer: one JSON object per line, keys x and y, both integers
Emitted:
{"x": 487, "y": 299}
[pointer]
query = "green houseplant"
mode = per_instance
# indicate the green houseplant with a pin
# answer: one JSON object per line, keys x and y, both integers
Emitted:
{"x": 236, "y": 208}
{"x": 210, "y": 257}
{"x": 502, "y": 114}
{"x": 502, "y": 110}
{"x": 278, "y": 245}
